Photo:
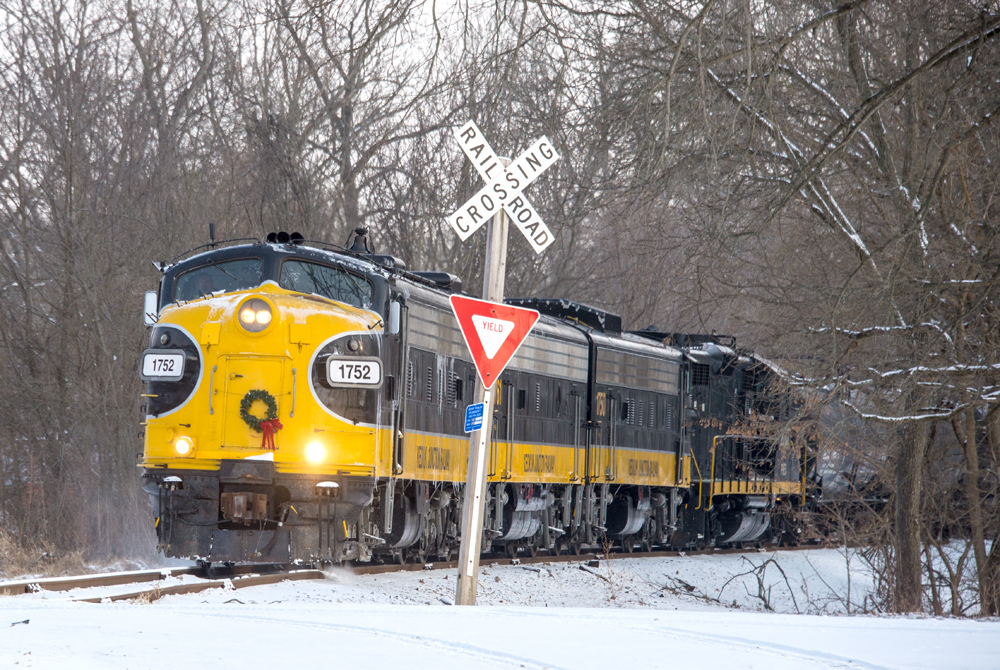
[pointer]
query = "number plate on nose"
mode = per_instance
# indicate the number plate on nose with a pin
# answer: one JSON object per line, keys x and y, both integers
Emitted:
{"x": 162, "y": 365}
{"x": 354, "y": 371}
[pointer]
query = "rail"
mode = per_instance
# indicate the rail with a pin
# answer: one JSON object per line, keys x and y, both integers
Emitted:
{"x": 244, "y": 576}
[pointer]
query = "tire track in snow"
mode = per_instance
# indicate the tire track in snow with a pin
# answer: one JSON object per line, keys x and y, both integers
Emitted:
{"x": 489, "y": 657}
{"x": 731, "y": 641}
{"x": 785, "y": 651}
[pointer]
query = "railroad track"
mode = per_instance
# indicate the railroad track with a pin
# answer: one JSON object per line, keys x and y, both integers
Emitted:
{"x": 238, "y": 577}
{"x": 244, "y": 576}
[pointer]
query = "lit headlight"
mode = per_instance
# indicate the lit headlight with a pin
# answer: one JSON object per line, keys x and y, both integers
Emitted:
{"x": 315, "y": 453}
{"x": 255, "y": 314}
{"x": 184, "y": 446}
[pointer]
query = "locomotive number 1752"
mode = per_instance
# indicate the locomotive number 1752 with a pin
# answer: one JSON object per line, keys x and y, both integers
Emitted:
{"x": 162, "y": 365}
{"x": 354, "y": 371}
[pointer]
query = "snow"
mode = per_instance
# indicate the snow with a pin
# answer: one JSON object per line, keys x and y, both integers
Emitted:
{"x": 693, "y": 611}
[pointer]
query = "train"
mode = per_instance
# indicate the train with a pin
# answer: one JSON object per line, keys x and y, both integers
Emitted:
{"x": 304, "y": 403}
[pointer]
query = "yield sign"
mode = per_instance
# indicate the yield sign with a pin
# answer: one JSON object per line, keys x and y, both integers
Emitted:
{"x": 493, "y": 333}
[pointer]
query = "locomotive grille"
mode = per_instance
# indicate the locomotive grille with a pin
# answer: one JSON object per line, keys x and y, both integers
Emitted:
{"x": 639, "y": 413}
{"x": 538, "y": 397}
{"x": 409, "y": 379}
{"x": 699, "y": 374}
{"x": 430, "y": 384}
{"x": 652, "y": 414}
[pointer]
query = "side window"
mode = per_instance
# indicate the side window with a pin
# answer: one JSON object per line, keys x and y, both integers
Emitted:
{"x": 224, "y": 276}
{"x": 326, "y": 281}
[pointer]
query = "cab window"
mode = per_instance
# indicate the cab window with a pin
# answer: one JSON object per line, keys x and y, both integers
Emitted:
{"x": 326, "y": 281}
{"x": 224, "y": 276}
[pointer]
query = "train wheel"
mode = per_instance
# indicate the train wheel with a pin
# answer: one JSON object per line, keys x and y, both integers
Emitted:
{"x": 649, "y": 531}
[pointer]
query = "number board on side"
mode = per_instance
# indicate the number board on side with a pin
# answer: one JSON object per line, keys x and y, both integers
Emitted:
{"x": 354, "y": 372}
{"x": 162, "y": 365}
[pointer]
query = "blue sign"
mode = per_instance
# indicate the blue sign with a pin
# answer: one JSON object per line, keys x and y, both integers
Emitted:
{"x": 474, "y": 417}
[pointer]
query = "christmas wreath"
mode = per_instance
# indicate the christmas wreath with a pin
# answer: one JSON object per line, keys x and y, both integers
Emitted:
{"x": 269, "y": 425}
{"x": 248, "y": 400}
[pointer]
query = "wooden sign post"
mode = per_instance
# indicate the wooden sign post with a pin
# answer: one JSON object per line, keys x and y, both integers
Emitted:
{"x": 499, "y": 197}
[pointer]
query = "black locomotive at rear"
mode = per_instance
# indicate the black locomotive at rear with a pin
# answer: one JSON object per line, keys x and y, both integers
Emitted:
{"x": 750, "y": 469}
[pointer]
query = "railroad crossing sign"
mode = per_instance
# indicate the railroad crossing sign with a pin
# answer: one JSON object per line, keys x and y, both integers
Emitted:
{"x": 503, "y": 188}
{"x": 493, "y": 333}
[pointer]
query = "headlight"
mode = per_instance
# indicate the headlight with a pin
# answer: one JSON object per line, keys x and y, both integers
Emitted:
{"x": 255, "y": 315}
{"x": 184, "y": 446}
{"x": 315, "y": 453}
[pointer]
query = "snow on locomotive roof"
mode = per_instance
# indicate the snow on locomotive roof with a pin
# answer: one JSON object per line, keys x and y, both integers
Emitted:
{"x": 561, "y": 308}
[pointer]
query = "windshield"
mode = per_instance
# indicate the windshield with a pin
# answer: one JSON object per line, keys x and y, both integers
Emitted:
{"x": 326, "y": 281}
{"x": 224, "y": 276}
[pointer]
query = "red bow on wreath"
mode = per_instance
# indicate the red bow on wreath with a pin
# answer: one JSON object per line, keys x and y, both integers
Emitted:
{"x": 269, "y": 428}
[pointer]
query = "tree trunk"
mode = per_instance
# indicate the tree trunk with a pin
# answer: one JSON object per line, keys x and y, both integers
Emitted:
{"x": 990, "y": 578}
{"x": 909, "y": 473}
{"x": 972, "y": 494}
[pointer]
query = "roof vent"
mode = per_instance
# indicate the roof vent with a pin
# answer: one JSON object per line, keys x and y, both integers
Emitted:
{"x": 391, "y": 262}
{"x": 445, "y": 280}
{"x": 685, "y": 340}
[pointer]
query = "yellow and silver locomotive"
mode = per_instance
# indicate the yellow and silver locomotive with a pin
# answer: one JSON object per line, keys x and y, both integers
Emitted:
{"x": 305, "y": 402}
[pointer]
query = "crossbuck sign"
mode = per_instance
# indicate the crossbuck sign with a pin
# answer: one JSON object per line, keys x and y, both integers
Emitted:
{"x": 503, "y": 187}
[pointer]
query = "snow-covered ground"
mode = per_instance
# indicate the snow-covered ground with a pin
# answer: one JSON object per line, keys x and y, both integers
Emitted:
{"x": 697, "y": 611}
